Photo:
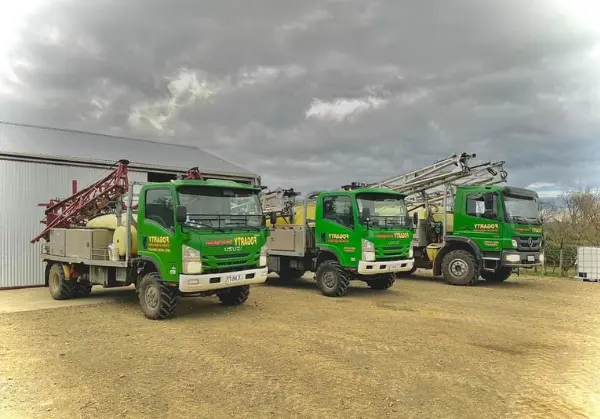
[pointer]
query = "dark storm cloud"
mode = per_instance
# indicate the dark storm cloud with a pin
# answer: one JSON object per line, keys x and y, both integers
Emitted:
{"x": 319, "y": 93}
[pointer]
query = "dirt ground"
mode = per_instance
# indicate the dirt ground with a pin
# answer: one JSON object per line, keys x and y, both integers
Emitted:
{"x": 523, "y": 349}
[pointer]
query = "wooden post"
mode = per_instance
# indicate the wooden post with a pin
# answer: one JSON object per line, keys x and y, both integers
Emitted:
{"x": 560, "y": 263}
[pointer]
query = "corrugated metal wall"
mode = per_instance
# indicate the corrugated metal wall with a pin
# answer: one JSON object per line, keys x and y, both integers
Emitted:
{"x": 22, "y": 187}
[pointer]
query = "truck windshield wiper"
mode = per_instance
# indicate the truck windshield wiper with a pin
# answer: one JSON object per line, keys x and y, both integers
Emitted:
{"x": 519, "y": 219}
{"x": 193, "y": 224}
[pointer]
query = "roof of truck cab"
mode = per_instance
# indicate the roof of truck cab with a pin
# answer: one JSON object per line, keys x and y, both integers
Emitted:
{"x": 376, "y": 190}
{"x": 511, "y": 190}
{"x": 215, "y": 183}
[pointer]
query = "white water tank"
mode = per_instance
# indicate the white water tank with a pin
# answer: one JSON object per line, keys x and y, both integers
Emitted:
{"x": 588, "y": 263}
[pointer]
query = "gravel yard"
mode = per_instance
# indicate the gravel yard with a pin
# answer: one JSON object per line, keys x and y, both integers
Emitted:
{"x": 423, "y": 349}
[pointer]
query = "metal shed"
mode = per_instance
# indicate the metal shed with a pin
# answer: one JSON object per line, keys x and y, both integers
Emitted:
{"x": 39, "y": 163}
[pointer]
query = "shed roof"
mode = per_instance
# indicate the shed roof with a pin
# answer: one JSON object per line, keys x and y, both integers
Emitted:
{"x": 61, "y": 145}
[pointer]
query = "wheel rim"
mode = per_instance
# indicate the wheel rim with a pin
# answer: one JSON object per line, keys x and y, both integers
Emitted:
{"x": 54, "y": 282}
{"x": 329, "y": 279}
{"x": 459, "y": 267}
{"x": 151, "y": 297}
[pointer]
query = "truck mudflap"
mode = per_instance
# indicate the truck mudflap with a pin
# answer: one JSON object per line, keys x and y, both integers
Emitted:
{"x": 387, "y": 266}
{"x": 216, "y": 281}
{"x": 521, "y": 259}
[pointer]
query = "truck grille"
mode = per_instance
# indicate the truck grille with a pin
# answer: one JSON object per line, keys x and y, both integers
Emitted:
{"x": 231, "y": 262}
{"x": 391, "y": 253}
{"x": 527, "y": 243}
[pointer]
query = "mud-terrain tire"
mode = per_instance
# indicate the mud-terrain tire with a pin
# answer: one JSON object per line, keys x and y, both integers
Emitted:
{"x": 234, "y": 296}
{"x": 459, "y": 267}
{"x": 501, "y": 275}
{"x": 60, "y": 287}
{"x": 288, "y": 275}
{"x": 406, "y": 274}
{"x": 82, "y": 290}
{"x": 331, "y": 279}
{"x": 157, "y": 300}
{"x": 382, "y": 283}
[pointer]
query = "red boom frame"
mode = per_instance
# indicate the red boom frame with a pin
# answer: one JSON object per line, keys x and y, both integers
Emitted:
{"x": 92, "y": 201}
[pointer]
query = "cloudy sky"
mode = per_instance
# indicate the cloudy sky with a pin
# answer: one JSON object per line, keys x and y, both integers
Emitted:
{"x": 317, "y": 93}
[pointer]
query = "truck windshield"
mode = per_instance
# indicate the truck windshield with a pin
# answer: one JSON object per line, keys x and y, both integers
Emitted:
{"x": 521, "y": 210}
{"x": 382, "y": 211}
{"x": 220, "y": 208}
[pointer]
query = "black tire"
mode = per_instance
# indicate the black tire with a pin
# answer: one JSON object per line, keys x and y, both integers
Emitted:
{"x": 405, "y": 274}
{"x": 157, "y": 300}
{"x": 288, "y": 275}
{"x": 82, "y": 289}
{"x": 459, "y": 267}
{"x": 60, "y": 287}
{"x": 500, "y": 275}
{"x": 234, "y": 296}
{"x": 331, "y": 279}
{"x": 382, "y": 283}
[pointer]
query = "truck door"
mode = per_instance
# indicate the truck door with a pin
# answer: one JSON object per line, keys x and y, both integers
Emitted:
{"x": 335, "y": 228}
{"x": 480, "y": 220}
{"x": 156, "y": 230}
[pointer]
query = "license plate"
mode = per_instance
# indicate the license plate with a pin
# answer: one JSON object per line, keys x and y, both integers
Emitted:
{"x": 234, "y": 278}
{"x": 394, "y": 266}
{"x": 530, "y": 258}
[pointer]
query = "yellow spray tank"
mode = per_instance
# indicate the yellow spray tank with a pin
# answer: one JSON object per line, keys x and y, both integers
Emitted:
{"x": 437, "y": 214}
{"x": 109, "y": 222}
{"x": 298, "y": 215}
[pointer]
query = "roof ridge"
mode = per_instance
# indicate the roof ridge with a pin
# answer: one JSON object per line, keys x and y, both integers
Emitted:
{"x": 75, "y": 131}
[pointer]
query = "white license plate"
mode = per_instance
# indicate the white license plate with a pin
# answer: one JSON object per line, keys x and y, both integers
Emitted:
{"x": 234, "y": 278}
{"x": 530, "y": 258}
{"x": 395, "y": 266}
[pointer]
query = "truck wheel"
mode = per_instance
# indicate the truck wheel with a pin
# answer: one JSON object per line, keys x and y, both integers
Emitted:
{"x": 331, "y": 279}
{"x": 234, "y": 296}
{"x": 459, "y": 268}
{"x": 157, "y": 300}
{"x": 60, "y": 287}
{"x": 82, "y": 290}
{"x": 499, "y": 275}
{"x": 288, "y": 275}
{"x": 405, "y": 274}
{"x": 382, "y": 283}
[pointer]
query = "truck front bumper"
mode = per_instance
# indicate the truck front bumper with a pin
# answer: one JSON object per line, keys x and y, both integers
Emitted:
{"x": 208, "y": 282}
{"x": 515, "y": 259}
{"x": 387, "y": 266}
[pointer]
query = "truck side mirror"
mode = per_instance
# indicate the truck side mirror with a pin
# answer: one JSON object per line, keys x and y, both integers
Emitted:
{"x": 181, "y": 214}
{"x": 273, "y": 218}
{"x": 415, "y": 220}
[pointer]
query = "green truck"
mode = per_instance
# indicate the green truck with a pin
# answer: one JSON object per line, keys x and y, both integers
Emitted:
{"x": 186, "y": 237}
{"x": 491, "y": 231}
{"x": 354, "y": 233}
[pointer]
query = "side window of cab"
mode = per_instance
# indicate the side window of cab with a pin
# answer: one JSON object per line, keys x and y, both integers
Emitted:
{"x": 476, "y": 207}
{"x": 338, "y": 209}
{"x": 159, "y": 208}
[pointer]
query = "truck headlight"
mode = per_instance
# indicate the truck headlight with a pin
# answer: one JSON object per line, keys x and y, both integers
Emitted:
{"x": 513, "y": 258}
{"x": 263, "y": 256}
{"x": 411, "y": 252}
{"x": 515, "y": 244}
{"x": 192, "y": 261}
{"x": 542, "y": 258}
{"x": 368, "y": 251}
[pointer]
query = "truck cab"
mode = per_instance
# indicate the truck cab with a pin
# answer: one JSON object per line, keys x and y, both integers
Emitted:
{"x": 200, "y": 237}
{"x": 361, "y": 234}
{"x": 494, "y": 230}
